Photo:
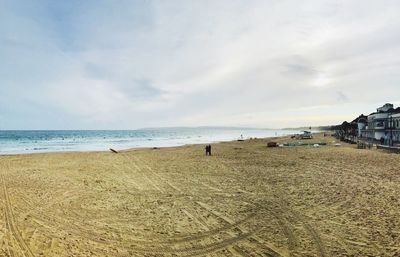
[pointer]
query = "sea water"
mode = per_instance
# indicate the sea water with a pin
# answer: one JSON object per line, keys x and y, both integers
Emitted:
{"x": 31, "y": 141}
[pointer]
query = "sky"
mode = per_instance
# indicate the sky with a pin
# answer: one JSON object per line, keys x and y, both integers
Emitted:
{"x": 117, "y": 64}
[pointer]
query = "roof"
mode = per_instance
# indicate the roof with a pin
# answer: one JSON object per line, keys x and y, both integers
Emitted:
{"x": 362, "y": 116}
{"x": 397, "y": 110}
{"x": 391, "y": 110}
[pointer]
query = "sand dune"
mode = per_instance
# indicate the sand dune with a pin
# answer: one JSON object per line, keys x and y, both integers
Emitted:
{"x": 245, "y": 200}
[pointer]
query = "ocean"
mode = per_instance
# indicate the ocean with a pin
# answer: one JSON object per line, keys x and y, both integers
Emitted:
{"x": 34, "y": 141}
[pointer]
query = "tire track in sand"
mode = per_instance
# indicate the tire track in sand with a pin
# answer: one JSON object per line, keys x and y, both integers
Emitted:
{"x": 144, "y": 175}
{"x": 297, "y": 218}
{"x": 252, "y": 238}
{"x": 197, "y": 250}
{"x": 10, "y": 218}
{"x": 210, "y": 246}
{"x": 163, "y": 180}
{"x": 203, "y": 247}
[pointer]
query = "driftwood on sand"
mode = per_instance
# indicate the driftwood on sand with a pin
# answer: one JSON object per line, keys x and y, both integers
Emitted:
{"x": 114, "y": 151}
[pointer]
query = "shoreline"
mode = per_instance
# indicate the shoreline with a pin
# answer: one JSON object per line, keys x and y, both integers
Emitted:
{"x": 139, "y": 147}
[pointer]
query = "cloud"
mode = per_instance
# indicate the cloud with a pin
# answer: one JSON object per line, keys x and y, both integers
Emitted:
{"x": 341, "y": 96}
{"x": 101, "y": 64}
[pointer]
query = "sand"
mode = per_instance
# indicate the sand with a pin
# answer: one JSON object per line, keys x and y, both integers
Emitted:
{"x": 245, "y": 200}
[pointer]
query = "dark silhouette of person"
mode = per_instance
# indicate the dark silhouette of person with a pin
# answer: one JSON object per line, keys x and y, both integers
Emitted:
{"x": 382, "y": 140}
{"x": 208, "y": 150}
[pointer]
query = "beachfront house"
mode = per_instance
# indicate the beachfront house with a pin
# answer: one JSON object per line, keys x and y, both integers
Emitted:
{"x": 382, "y": 124}
{"x": 395, "y": 126}
{"x": 377, "y": 124}
{"x": 360, "y": 123}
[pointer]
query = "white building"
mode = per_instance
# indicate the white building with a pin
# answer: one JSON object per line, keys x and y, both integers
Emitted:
{"x": 376, "y": 127}
{"x": 362, "y": 122}
{"x": 384, "y": 123}
{"x": 394, "y": 124}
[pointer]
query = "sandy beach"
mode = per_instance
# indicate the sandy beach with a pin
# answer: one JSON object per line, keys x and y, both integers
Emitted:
{"x": 245, "y": 200}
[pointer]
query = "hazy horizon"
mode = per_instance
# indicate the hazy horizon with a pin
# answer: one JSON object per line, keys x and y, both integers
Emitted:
{"x": 140, "y": 64}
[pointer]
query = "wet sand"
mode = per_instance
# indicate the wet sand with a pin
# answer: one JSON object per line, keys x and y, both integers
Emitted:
{"x": 245, "y": 200}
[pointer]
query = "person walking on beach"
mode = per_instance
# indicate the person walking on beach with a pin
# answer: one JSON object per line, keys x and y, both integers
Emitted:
{"x": 208, "y": 150}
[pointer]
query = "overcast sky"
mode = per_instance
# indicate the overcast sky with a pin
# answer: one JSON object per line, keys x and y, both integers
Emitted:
{"x": 97, "y": 64}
